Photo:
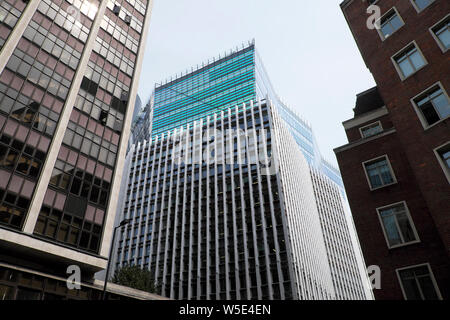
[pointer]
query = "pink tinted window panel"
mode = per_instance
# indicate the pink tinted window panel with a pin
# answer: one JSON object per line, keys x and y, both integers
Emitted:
{"x": 100, "y": 94}
{"x": 69, "y": 74}
{"x": 6, "y": 76}
{"x": 60, "y": 68}
{"x": 20, "y": 5}
{"x": 23, "y": 44}
{"x": 108, "y": 175}
{"x": 38, "y": 95}
{"x": 99, "y": 214}
{"x": 83, "y": 120}
{"x": 11, "y": 127}
{"x": 91, "y": 125}
{"x": 48, "y": 101}
{"x": 74, "y": 116}
{"x": 99, "y": 130}
{"x": 99, "y": 171}
{"x": 90, "y": 166}
{"x": 4, "y": 178}
{"x": 16, "y": 184}
{"x": 33, "y": 51}
{"x": 107, "y": 98}
{"x": 33, "y": 139}
{"x": 57, "y": 106}
{"x": 72, "y": 159}
{"x": 27, "y": 89}
{"x": 63, "y": 152}
{"x": 49, "y": 197}
{"x": 4, "y": 32}
{"x": 81, "y": 162}
{"x": 27, "y": 189}
{"x": 51, "y": 63}
{"x": 90, "y": 213}
{"x": 22, "y": 133}
{"x": 42, "y": 57}
{"x": 44, "y": 144}
{"x": 17, "y": 83}
{"x": 115, "y": 138}
{"x": 108, "y": 134}
{"x": 60, "y": 201}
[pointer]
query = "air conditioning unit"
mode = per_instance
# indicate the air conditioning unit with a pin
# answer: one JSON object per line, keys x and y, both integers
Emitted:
{"x": 127, "y": 19}
{"x": 116, "y": 9}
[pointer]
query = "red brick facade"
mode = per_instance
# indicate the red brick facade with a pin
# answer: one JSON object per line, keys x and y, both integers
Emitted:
{"x": 421, "y": 181}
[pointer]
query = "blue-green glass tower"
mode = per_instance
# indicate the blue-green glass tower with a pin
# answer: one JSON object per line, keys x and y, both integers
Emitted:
{"x": 210, "y": 89}
{"x": 222, "y": 83}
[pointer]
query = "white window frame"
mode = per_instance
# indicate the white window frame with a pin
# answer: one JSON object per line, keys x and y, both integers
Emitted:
{"x": 433, "y": 279}
{"x": 417, "y": 8}
{"x": 368, "y": 125}
{"x": 408, "y": 214}
{"x": 422, "y": 119}
{"x": 444, "y": 50}
{"x": 443, "y": 165}
{"x": 390, "y": 168}
{"x": 402, "y": 50}
{"x": 382, "y": 36}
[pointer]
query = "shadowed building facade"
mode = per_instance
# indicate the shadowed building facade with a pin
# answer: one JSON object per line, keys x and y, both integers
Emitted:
{"x": 230, "y": 230}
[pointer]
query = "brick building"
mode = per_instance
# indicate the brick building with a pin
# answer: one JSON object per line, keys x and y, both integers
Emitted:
{"x": 396, "y": 166}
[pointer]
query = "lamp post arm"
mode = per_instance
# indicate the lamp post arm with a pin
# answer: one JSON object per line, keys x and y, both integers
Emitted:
{"x": 111, "y": 250}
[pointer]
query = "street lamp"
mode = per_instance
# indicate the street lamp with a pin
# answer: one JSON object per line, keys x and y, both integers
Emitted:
{"x": 123, "y": 223}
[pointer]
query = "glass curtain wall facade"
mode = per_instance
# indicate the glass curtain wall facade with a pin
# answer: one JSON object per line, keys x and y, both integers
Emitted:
{"x": 205, "y": 95}
{"x": 237, "y": 78}
{"x": 64, "y": 112}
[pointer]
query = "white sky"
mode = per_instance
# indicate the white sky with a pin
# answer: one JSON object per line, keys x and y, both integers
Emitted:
{"x": 305, "y": 45}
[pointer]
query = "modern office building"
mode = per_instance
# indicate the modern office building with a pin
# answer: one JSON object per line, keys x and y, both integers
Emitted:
{"x": 396, "y": 167}
{"x": 68, "y": 83}
{"x": 235, "y": 230}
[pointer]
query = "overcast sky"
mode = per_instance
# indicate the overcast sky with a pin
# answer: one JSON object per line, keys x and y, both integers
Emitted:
{"x": 305, "y": 45}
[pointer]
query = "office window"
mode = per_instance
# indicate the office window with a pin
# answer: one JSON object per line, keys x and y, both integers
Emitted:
{"x": 418, "y": 283}
{"x": 371, "y": 129}
{"x": 441, "y": 32}
{"x": 421, "y": 4}
{"x": 433, "y": 105}
{"x": 390, "y": 23}
{"x": 408, "y": 61}
{"x": 379, "y": 172}
{"x": 397, "y": 225}
{"x": 443, "y": 155}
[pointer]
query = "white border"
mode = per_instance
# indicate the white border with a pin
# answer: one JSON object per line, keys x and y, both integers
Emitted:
{"x": 433, "y": 280}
